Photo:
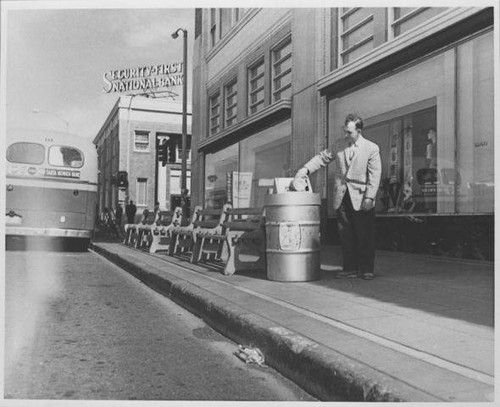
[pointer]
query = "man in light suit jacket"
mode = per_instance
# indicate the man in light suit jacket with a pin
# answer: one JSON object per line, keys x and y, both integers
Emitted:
{"x": 357, "y": 178}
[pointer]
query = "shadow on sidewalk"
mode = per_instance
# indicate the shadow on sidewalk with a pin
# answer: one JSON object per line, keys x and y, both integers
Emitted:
{"x": 450, "y": 288}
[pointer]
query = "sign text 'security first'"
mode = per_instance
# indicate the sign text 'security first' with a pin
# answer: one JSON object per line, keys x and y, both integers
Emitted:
{"x": 144, "y": 78}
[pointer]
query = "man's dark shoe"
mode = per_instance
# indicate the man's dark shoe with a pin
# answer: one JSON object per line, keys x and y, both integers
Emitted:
{"x": 347, "y": 274}
{"x": 368, "y": 276}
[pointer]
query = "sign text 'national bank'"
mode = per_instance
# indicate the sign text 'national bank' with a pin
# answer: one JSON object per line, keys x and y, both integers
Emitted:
{"x": 143, "y": 78}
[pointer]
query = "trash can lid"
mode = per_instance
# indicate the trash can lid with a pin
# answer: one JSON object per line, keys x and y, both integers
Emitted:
{"x": 292, "y": 199}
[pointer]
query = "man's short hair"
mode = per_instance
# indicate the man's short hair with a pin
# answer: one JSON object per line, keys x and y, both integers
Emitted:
{"x": 358, "y": 121}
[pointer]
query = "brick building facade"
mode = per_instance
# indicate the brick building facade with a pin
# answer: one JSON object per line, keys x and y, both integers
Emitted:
{"x": 128, "y": 148}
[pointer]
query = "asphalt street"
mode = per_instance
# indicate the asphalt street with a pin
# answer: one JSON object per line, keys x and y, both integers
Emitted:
{"x": 78, "y": 327}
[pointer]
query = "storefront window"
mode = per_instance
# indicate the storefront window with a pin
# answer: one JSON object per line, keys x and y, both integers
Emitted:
{"x": 243, "y": 174}
{"x": 408, "y": 148}
{"x": 475, "y": 125}
{"x": 434, "y": 124}
{"x": 219, "y": 168}
{"x": 264, "y": 157}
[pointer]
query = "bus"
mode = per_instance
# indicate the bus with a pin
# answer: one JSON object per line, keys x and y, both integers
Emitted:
{"x": 51, "y": 186}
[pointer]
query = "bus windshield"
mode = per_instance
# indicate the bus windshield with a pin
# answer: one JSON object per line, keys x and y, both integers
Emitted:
{"x": 26, "y": 153}
{"x": 63, "y": 156}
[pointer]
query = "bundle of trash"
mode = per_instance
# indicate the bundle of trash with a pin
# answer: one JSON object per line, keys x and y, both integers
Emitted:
{"x": 250, "y": 355}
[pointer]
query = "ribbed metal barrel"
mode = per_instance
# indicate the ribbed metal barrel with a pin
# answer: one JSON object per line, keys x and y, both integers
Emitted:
{"x": 293, "y": 236}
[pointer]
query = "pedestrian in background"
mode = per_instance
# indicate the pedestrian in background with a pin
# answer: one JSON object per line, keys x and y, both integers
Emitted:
{"x": 119, "y": 214}
{"x": 356, "y": 181}
{"x": 130, "y": 211}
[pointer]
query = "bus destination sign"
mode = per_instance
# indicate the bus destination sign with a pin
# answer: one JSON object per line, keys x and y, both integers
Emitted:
{"x": 62, "y": 173}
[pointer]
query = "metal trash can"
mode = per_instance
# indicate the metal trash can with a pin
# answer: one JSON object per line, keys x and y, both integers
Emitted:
{"x": 293, "y": 236}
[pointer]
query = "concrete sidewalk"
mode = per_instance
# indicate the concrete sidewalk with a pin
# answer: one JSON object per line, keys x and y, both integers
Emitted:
{"x": 423, "y": 330}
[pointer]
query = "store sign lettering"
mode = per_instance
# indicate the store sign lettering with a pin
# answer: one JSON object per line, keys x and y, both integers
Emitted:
{"x": 481, "y": 144}
{"x": 62, "y": 173}
{"x": 143, "y": 78}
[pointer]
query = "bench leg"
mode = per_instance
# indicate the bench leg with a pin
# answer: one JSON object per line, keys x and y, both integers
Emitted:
{"x": 230, "y": 267}
{"x": 137, "y": 239}
{"x": 155, "y": 240}
{"x": 126, "y": 237}
{"x": 160, "y": 242}
{"x": 251, "y": 243}
{"x": 183, "y": 243}
{"x": 133, "y": 236}
{"x": 147, "y": 238}
{"x": 173, "y": 244}
{"x": 196, "y": 252}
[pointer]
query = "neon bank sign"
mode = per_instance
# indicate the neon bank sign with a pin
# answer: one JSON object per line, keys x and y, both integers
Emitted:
{"x": 143, "y": 78}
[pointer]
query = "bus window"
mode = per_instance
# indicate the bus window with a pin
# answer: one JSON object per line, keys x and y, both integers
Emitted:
{"x": 26, "y": 153}
{"x": 61, "y": 156}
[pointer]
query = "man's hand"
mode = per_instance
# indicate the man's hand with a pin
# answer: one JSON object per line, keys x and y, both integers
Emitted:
{"x": 367, "y": 204}
{"x": 299, "y": 183}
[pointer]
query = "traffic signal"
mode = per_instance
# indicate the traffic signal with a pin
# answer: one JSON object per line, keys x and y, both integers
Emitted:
{"x": 122, "y": 179}
{"x": 172, "y": 153}
{"x": 163, "y": 152}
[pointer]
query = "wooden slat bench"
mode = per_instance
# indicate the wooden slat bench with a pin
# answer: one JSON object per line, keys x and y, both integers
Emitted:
{"x": 161, "y": 234}
{"x": 132, "y": 228}
{"x": 209, "y": 234}
{"x": 246, "y": 240}
{"x": 143, "y": 229}
{"x": 181, "y": 240}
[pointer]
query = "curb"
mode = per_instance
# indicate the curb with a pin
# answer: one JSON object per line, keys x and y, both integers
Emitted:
{"x": 322, "y": 372}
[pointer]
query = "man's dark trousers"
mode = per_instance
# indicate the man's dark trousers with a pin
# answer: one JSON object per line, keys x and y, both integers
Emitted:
{"x": 357, "y": 237}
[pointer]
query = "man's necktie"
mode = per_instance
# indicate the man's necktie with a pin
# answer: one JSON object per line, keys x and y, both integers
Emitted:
{"x": 351, "y": 151}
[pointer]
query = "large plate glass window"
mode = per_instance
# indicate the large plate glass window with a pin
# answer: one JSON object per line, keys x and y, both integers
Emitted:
{"x": 243, "y": 174}
{"x": 475, "y": 125}
{"x": 263, "y": 157}
{"x": 219, "y": 167}
{"x": 408, "y": 149}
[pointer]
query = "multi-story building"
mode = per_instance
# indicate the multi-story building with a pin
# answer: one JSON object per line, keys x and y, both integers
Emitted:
{"x": 131, "y": 162}
{"x": 272, "y": 88}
